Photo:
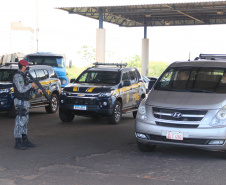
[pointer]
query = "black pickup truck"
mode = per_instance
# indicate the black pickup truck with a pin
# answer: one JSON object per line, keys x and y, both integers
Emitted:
{"x": 106, "y": 89}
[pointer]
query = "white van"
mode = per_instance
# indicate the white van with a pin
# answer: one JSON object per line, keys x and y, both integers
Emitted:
{"x": 186, "y": 106}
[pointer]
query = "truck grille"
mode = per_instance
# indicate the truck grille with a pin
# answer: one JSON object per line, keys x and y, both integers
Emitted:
{"x": 3, "y": 95}
{"x": 178, "y": 114}
{"x": 81, "y": 101}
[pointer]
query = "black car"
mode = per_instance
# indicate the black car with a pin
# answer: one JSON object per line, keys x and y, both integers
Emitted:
{"x": 44, "y": 74}
{"x": 106, "y": 89}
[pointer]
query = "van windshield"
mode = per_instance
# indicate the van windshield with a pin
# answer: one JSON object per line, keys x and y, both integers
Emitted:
{"x": 193, "y": 79}
{"x": 53, "y": 61}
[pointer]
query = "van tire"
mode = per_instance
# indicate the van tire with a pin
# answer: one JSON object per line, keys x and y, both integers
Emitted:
{"x": 66, "y": 116}
{"x": 53, "y": 107}
{"x": 146, "y": 148}
{"x": 116, "y": 114}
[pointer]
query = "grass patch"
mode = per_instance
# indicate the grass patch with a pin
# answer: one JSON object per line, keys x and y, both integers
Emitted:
{"x": 155, "y": 69}
{"x": 74, "y": 71}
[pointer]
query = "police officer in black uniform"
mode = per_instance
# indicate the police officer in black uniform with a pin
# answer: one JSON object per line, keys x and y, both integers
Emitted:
{"x": 23, "y": 90}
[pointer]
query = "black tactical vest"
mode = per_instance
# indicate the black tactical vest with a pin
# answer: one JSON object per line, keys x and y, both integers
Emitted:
{"x": 17, "y": 94}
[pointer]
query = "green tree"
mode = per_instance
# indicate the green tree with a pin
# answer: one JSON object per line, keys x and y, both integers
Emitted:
{"x": 88, "y": 54}
{"x": 134, "y": 61}
{"x": 155, "y": 68}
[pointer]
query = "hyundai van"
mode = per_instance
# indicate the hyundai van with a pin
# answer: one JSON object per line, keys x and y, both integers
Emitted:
{"x": 186, "y": 107}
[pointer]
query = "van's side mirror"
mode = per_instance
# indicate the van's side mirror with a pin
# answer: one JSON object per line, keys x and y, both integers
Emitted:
{"x": 126, "y": 83}
{"x": 72, "y": 80}
{"x": 151, "y": 83}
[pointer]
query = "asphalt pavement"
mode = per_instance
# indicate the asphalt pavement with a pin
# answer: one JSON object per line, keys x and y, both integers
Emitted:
{"x": 89, "y": 151}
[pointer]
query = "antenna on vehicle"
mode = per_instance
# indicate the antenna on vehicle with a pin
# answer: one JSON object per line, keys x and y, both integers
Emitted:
{"x": 37, "y": 28}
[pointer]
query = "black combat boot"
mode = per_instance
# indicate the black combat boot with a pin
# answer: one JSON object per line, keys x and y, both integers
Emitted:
{"x": 19, "y": 145}
{"x": 26, "y": 142}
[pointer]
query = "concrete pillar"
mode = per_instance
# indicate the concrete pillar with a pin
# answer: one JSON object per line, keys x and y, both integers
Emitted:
{"x": 145, "y": 57}
{"x": 100, "y": 45}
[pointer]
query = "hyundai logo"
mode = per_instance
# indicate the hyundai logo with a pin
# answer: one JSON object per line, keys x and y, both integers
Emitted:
{"x": 177, "y": 115}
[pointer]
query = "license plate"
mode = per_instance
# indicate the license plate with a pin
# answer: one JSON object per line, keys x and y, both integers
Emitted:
{"x": 80, "y": 107}
{"x": 174, "y": 135}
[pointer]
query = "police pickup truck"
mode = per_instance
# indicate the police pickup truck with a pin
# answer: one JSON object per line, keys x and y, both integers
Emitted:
{"x": 105, "y": 89}
{"x": 44, "y": 74}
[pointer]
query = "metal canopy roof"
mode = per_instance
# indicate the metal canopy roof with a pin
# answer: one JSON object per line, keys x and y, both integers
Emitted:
{"x": 174, "y": 14}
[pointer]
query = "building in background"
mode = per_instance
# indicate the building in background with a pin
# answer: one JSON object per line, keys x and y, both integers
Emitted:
{"x": 16, "y": 41}
{"x": 22, "y": 38}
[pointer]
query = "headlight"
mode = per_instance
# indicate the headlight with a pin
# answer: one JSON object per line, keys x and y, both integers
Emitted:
{"x": 220, "y": 118}
{"x": 6, "y": 90}
{"x": 105, "y": 94}
{"x": 63, "y": 81}
{"x": 141, "y": 113}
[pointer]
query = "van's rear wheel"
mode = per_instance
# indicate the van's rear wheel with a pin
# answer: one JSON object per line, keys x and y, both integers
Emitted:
{"x": 146, "y": 148}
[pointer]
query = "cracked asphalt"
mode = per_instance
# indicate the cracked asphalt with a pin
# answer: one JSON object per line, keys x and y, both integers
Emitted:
{"x": 89, "y": 151}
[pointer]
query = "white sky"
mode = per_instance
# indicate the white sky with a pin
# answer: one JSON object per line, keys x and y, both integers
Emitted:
{"x": 66, "y": 33}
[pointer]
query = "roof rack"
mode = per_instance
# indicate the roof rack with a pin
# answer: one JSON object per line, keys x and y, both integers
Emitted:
{"x": 10, "y": 63}
{"x": 212, "y": 56}
{"x": 110, "y": 64}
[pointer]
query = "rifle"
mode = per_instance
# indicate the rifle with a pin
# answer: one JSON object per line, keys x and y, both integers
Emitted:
{"x": 39, "y": 85}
